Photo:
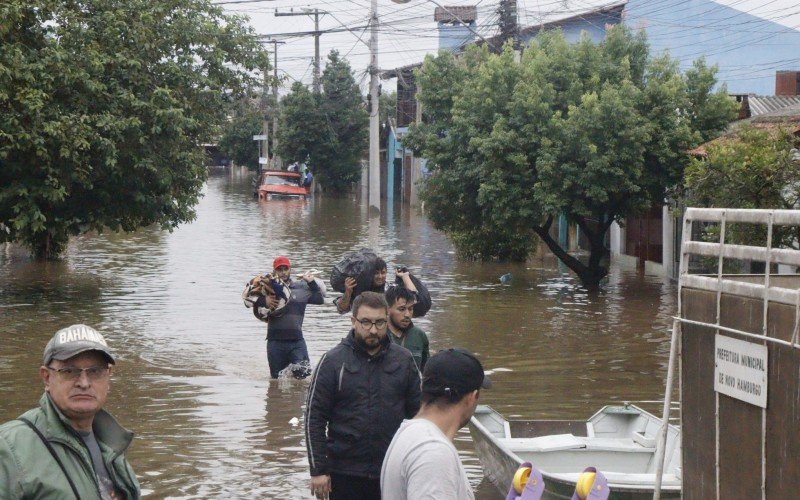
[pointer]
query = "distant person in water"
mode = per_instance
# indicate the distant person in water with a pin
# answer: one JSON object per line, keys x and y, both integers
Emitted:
{"x": 379, "y": 274}
{"x": 402, "y": 330}
{"x": 284, "y": 308}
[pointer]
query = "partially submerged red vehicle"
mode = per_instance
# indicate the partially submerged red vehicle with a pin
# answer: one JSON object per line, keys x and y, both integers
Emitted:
{"x": 280, "y": 184}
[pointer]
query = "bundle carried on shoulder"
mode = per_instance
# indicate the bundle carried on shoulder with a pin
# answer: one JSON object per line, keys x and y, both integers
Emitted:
{"x": 256, "y": 292}
{"x": 359, "y": 265}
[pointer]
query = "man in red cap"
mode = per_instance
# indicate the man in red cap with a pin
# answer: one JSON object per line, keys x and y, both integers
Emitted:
{"x": 285, "y": 342}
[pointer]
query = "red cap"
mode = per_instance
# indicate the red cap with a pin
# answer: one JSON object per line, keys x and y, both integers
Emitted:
{"x": 281, "y": 261}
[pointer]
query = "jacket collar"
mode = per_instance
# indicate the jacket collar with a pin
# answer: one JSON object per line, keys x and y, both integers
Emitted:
{"x": 106, "y": 428}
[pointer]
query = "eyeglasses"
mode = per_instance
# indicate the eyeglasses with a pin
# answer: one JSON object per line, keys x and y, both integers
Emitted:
{"x": 74, "y": 373}
{"x": 367, "y": 324}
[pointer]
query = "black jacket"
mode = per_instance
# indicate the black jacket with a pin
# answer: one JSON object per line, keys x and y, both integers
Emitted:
{"x": 361, "y": 400}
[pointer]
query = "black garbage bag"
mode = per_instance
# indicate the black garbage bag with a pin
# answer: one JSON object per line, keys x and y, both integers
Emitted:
{"x": 359, "y": 265}
{"x": 423, "y": 304}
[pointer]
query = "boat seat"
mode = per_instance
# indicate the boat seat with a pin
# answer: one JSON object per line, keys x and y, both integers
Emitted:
{"x": 646, "y": 441}
{"x": 555, "y": 442}
{"x": 619, "y": 444}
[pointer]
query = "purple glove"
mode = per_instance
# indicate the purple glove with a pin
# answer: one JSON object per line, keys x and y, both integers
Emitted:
{"x": 533, "y": 488}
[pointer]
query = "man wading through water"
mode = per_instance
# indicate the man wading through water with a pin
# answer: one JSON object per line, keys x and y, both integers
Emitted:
{"x": 361, "y": 391}
{"x": 401, "y": 329}
{"x": 379, "y": 274}
{"x": 284, "y": 308}
{"x": 69, "y": 447}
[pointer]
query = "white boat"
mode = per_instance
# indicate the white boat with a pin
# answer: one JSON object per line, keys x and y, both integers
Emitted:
{"x": 620, "y": 441}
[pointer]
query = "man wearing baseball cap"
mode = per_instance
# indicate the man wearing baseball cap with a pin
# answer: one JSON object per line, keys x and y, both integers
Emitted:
{"x": 422, "y": 461}
{"x": 69, "y": 447}
{"x": 285, "y": 342}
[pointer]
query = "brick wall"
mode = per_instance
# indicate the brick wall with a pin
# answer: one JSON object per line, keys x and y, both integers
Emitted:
{"x": 787, "y": 83}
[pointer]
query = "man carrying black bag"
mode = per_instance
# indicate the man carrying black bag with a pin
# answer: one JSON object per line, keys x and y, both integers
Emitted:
{"x": 362, "y": 271}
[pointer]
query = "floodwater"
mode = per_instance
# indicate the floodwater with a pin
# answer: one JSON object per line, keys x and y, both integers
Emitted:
{"x": 192, "y": 380}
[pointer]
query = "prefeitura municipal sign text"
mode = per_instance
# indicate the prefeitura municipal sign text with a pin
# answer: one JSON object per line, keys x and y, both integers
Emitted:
{"x": 740, "y": 370}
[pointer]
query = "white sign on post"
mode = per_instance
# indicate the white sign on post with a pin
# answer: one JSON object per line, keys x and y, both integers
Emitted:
{"x": 740, "y": 370}
{"x": 259, "y": 137}
{"x": 263, "y": 161}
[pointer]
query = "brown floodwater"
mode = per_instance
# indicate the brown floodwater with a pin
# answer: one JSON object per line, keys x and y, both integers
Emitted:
{"x": 192, "y": 378}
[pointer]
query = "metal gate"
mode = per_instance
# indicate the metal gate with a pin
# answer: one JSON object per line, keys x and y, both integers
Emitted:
{"x": 736, "y": 341}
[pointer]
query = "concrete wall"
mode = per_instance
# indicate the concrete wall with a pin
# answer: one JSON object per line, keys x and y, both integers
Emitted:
{"x": 453, "y": 35}
{"x": 593, "y": 24}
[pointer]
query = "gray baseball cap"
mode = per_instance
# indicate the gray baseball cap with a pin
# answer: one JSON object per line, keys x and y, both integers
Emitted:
{"x": 73, "y": 340}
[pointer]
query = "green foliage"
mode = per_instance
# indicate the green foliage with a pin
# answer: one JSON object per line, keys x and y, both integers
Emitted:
{"x": 237, "y": 137}
{"x": 388, "y": 106}
{"x": 305, "y": 134}
{"x": 103, "y": 105}
{"x": 755, "y": 168}
{"x": 709, "y": 112}
{"x": 329, "y": 129}
{"x": 593, "y": 132}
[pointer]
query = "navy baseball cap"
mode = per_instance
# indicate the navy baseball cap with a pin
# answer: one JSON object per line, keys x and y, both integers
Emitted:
{"x": 453, "y": 370}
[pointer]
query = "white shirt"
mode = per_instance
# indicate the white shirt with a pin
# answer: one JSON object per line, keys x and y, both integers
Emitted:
{"x": 422, "y": 463}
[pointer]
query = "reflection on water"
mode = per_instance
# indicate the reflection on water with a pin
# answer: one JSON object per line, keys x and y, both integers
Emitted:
{"x": 192, "y": 380}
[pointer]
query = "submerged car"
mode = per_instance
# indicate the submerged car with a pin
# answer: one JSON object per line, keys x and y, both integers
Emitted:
{"x": 280, "y": 184}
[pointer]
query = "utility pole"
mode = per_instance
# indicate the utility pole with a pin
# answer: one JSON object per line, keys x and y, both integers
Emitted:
{"x": 276, "y": 160}
{"x": 263, "y": 156}
{"x": 374, "y": 139}
{"x": 316, "y": 13}
{"x": 316, "y": 51}
{"x": 509, "y": 28}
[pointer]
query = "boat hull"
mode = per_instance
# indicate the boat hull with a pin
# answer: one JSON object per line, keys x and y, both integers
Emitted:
{"x": 500, "y": 463}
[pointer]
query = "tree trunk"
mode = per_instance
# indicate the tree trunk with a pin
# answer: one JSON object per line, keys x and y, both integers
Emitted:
{"x": 48, "y": 246}
{"x": 597, "y": 268}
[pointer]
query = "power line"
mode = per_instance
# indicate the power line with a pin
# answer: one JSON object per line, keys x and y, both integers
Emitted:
{"x": 230, "y": 2}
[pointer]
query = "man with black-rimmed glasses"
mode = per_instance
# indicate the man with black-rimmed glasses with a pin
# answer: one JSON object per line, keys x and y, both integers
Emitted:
{"x": 69, "y": 447}
{"x": 360, "y": 392}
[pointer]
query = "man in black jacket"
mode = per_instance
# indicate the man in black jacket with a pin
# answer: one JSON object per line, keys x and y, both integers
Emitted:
{"x": 361, "y": 391}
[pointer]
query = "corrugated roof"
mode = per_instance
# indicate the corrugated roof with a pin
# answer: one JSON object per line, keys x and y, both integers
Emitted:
{"x": 785, "y": 118}
{"x": 456, "y": 13}
{"x": 760, "y": 105}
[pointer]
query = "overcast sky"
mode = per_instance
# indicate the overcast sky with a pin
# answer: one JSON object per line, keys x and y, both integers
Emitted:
{"x": 408, "y": 32}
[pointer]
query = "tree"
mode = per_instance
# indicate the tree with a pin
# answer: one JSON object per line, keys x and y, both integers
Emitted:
{"x": 305, "y": 133}
{"x": 592, "y": 132}
{"x": 330, "y": 128}
{"x": 237, "y": 136}
{"x": 103, "y": 107}
{"x": 753, "y": 168}
{"x": 388, "y": 106}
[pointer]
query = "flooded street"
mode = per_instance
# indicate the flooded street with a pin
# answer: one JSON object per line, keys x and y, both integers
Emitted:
{"x": 192, "y": 378}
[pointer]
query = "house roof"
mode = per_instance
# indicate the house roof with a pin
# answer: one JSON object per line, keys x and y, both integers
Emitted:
{"x": 394, "y": 73}
{"x": 611, "y": 8}
{"x": 786, "y": 117}
{"x": 456, "y": 13}
{"x": 760, "y": 105}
